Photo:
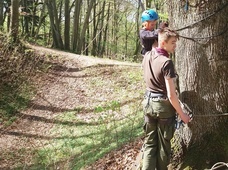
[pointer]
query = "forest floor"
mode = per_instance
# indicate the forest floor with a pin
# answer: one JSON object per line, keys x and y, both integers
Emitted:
{"x": 51, "y": 98}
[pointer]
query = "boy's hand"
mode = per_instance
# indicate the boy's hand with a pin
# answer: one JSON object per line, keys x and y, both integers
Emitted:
{"x": 185, "y": 118}
{"x": 163, "y": 25}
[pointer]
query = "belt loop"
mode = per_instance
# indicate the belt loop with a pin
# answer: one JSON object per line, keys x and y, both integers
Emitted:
{"x": 148, "y": 100}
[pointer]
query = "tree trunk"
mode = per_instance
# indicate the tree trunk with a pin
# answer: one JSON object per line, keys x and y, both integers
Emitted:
{"x": 14, "y": 19}
{"x": 105, "y": 37}
{"x": 101, "y": 23}
{"x": 41, "y": 21}
{"x": 115, "y": 27}
{"x": 95, "y": 26}
{"x": 137, "y": 42}
{"x": 76, "y": 29}
{"x": 1, "y": 14}
{"x": 25, "y": 18}
{"x": 201, "y": 61}
{"x": 201, "y": 57}
{"x": 85, "y": 26}
{"x": 55, "y": 24}
{"x": 67, "y": 25}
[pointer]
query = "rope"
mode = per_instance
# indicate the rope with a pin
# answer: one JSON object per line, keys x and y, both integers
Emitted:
{"x": 191, "y": 25}
{"x": 212, "y": 36}
{"x": 185, "y": 106}
{"x": 219, "y": 165}
{"x": 211, "y": 115}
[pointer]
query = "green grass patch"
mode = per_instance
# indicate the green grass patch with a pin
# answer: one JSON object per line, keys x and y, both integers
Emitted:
{"x": 113, "y": 105}
{"x": 13, "y": 99}
{"x": 80, "y": 144}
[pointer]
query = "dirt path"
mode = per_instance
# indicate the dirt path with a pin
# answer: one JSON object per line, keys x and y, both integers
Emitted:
{"x": 81, "y": 60}
{"x": 32, "y": 129}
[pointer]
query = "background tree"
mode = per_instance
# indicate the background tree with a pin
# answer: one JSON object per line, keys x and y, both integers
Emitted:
{"x": 1, "y": 14}
{"x": 67, "y": 23}
{"x": 100, "y": 27}
{"x": 55, "y": 23}
{"x": 76, "y": 25}
{"x": 85, "y": 26}
{"x": 14, "y": 19}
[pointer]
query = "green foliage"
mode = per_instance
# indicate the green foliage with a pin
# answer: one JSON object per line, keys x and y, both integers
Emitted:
{"x": 12, "y": 100}
{"x": 18, "y": 65}
{"x": 163, "y": 17}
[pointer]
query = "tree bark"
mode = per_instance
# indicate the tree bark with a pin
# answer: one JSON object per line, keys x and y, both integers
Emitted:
{"x": 202, "y": 60}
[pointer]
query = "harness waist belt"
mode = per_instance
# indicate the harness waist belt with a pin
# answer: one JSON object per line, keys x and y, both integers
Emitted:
{"x": 155, "y": 95}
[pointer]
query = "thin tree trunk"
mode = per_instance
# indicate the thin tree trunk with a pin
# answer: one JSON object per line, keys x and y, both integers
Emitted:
{"x": 85, "y": 26}
{"x": 115, "y": 26}
{"x": 67, "y": 25}
{"x": 105, "y": 39}
{"x": 41, "y": 21}
{"x": 14, "y": 19}
{"x": 76, "y": 29}
{"x": 96, "y": 20}
{"x": 101, "y": 30}
{"x": 1, "y": 15}
{"x": 137, "y": 43}
{"x": 55, "y": 24}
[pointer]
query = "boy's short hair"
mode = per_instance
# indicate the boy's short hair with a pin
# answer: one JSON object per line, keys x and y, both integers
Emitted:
{"x": 166, "y": 33}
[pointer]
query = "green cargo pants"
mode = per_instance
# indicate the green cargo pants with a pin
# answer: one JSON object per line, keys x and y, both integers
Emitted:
{"x": 159, "y": 128}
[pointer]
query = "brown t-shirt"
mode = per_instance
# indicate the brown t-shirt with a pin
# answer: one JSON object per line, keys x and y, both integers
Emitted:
{"x": 157, "y": 68}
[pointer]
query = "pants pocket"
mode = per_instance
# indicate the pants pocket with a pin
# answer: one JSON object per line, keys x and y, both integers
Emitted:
{"x": 148, "y": 107}
{"x": 169, "y": 131}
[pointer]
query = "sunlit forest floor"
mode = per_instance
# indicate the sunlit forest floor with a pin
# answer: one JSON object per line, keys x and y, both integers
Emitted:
{"x": 62, "y": 89}
{"x": 78, "y": 112}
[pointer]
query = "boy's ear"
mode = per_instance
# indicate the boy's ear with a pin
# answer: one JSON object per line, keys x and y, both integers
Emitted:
{"x": 163, "y": 42}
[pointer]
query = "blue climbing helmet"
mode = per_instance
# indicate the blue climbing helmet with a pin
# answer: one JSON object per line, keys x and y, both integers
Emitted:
{"x": 149, "y": 15}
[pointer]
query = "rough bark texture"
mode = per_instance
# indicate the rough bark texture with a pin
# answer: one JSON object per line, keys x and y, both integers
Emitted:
{"x": 202, "y": 59}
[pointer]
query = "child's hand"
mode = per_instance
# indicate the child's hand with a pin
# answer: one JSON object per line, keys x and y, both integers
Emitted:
{"x": 163, "y": 25}
{"x": 185, "y": 118}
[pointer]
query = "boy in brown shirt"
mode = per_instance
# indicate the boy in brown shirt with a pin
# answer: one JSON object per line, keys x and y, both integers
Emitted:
{"x": 161, "y": 102}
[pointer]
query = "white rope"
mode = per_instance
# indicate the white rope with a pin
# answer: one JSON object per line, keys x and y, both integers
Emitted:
{"x": 219, "y": 165}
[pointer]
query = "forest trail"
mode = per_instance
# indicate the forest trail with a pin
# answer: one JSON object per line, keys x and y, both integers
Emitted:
{"x": 81, "y": 60}
{"x": 32, "y": 129}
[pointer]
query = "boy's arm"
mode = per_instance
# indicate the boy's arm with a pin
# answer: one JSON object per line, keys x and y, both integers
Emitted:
{"x": 146, "y": 34}
{"x": 171, "y": 93}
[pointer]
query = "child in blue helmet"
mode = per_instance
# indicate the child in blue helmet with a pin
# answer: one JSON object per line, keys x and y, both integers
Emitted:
{"x": 148, "y": 35}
